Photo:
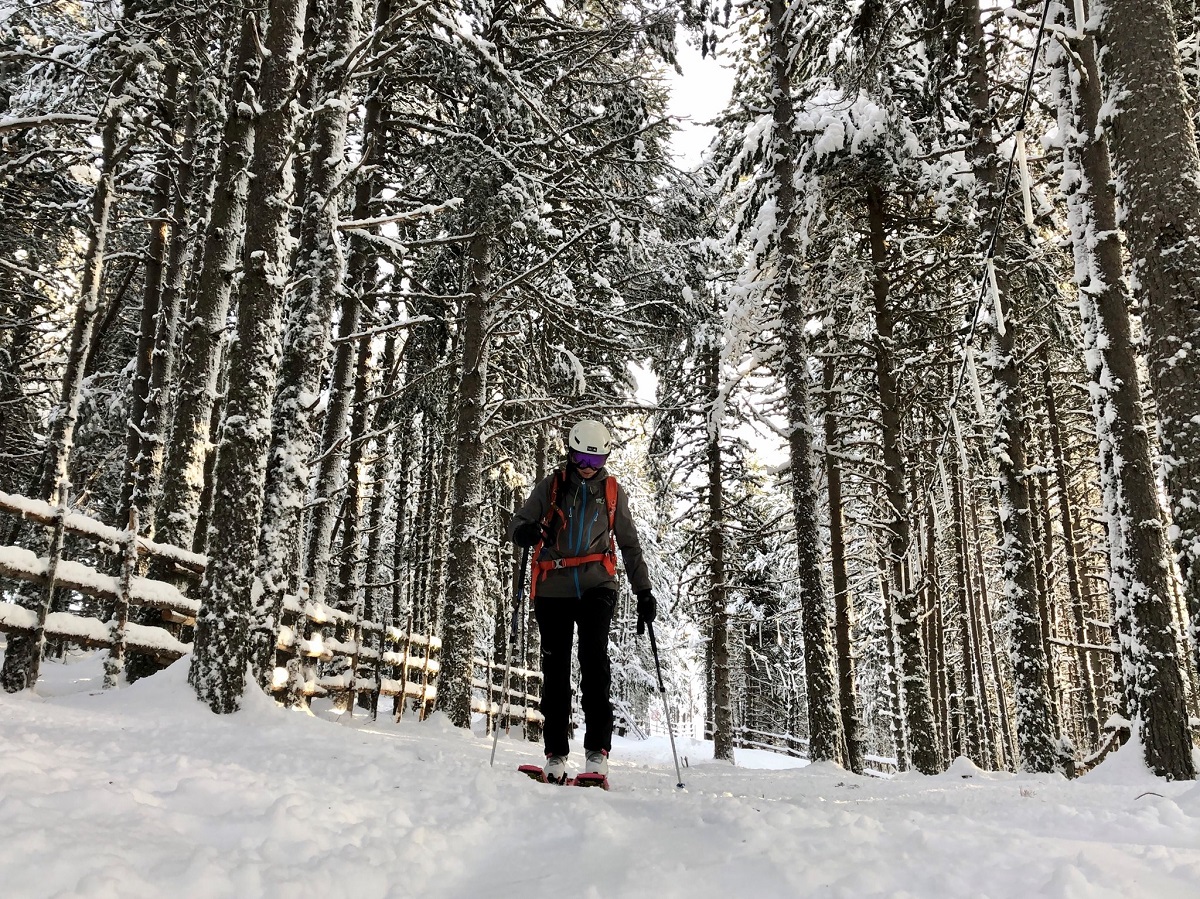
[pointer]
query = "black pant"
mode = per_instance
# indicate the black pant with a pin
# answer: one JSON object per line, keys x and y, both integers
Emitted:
{"x": 556, "y": 620}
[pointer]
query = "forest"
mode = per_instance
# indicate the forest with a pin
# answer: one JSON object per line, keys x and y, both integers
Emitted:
{"x": 313, "y": 289}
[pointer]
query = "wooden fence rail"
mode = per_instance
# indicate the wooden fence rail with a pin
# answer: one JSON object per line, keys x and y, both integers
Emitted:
{"x": 797, "y": 747}
{"x": 520, "y": 696}
{"x": 319, "y": 651}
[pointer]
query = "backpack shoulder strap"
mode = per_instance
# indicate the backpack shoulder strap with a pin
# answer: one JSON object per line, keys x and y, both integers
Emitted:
{"x": 559, "y": 479}
{"x": 610, "y": 499}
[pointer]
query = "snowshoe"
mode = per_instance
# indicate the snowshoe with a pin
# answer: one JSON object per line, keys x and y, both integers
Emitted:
{"x": 533, "y": 772}
{"x": 591, "y": 779}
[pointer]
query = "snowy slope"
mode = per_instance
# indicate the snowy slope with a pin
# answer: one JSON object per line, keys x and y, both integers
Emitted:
{"x": 143, "y": 792}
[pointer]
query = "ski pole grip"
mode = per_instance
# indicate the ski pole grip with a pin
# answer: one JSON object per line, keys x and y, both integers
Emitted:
{"x": 641, "y": 626}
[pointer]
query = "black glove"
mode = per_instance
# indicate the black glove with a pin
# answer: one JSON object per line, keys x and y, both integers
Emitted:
{"x": 528, "y": 534}
{"x": 647, "y": 609}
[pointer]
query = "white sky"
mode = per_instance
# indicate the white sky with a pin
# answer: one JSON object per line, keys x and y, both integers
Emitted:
{"x": 698, "y": 95}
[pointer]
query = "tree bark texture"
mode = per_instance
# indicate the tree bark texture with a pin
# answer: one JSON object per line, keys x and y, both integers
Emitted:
{"x": 189, "y": 445}
{"x": 1034, "y": 706}
{"x": 843, "y": 603}
{"x": 721, "y": 697}
{"x": 906, "y": 609}
{"x": 462, "y": 570}
{"x": 1164, "y": 240}
{"x": 230, "y": 593}
{"x": 322, "y": 282}
{"x": 824, "y": 715}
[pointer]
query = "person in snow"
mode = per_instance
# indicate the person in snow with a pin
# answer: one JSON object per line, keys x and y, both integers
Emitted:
{"x": 573, "y": 521}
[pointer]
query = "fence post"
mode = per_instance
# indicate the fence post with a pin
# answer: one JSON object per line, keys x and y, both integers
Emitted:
{"x": 298, "y": 677}
{"x": 120, "y": 620}
{"x": 43, "y": 609}
{"x": 356, "y": 632}
{"x": 425, "y": 704}
{"x": 402, "y": 699}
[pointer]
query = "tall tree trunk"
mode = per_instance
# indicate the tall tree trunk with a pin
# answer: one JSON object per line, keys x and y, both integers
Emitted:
{"x": 842, "y": 601}
{"x": 229, "y": 600}
{"x": 1083, "y": 660}
{"x": 721, "y": 696}
{"x": 350, "y": 563}
{"x": 1039, "y": 520}
{"x": 896, "y": 699}
{"x": 462, "y": 589}
{"x": 914, "y": 670}
{"x": 391, "y": 454}
{"x": 824, "y": 715}
{"x": 935, "y": 643}
{"x": 183, "y": 475}
{"x": 1035, "y": 718}
{"x": 971, "y": 686}
{"x": 321, "y": 276}
{"x": 1007, "y": 753}
{"x": 155, "y": 418}
{"x": 1158, "y": 183}
{"x": 143, "y": 430}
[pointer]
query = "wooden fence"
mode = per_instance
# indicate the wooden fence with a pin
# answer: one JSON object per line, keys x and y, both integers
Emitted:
{"x": 520, "y": 701}
{"x": 797, "y": 747}
{"x": 319, "y": 651}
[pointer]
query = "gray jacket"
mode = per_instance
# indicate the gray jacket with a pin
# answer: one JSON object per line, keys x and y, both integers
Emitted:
{"x": 583, "y": 531}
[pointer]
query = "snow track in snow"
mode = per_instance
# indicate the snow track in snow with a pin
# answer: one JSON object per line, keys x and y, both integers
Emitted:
{"x": 144, "y": 792}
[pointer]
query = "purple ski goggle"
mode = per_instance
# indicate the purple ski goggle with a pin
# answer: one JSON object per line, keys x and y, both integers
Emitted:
{"x": 587, "y": 460}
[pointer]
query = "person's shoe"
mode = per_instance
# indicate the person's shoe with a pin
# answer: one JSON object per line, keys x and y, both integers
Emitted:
{"x": 597, "y": 762}
{"x": 556, "y": 769}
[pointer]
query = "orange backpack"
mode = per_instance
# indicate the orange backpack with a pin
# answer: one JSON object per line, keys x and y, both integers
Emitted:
{"x": 609, "y": 557}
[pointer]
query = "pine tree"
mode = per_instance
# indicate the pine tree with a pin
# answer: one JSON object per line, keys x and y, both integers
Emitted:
{"x": 228, "y": 600}
{"x": 188, "y": 447}
{"x": 1156, "y": 174}
{"x": 825, "y": 734}
{"x": 321, "y": 275}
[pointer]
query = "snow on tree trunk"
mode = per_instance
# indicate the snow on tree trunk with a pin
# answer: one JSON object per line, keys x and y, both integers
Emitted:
{"x": 906, "y": 610}
{"x": 1084, "y": 668}
{"x": 350, "y": 566}
{"x": 1034, "y": 705}
{"x": 842, "y": 601}
{"x": 971, "y": 688}
{"x": 164, "y": 358}
{"x": 188, "y": 448}
{"x": 140, "y": 431}
{"x": 462, "y": 603}
{"x": 1157, "y": 172}
{"x": 321, "y": 278}
{"x": 717, "y": 591}
{"x": 824, "y": 714}
{"x": 319, "y": 538}
{"x": 1139, "y": 576}
{"x": 229, "y": 595}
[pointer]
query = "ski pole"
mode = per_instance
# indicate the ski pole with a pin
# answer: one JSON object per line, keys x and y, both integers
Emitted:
{"x": 666, "y": 708}
{"x": 512, "y": 645}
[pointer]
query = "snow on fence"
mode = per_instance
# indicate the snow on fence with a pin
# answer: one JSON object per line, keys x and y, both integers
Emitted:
{"x": 325, "y": 652}
{"x": 52, "y": 572}
{"x": 521, "y": 698}
{"x": 319, "y": 651}
{"x": 797, "y": 747}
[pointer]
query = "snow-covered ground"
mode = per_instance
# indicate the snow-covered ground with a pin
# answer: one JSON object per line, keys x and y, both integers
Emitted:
{"x": 143, "y": 792}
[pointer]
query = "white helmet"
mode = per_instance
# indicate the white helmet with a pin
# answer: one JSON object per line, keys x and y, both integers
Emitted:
{"x": 590, "y": 436}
